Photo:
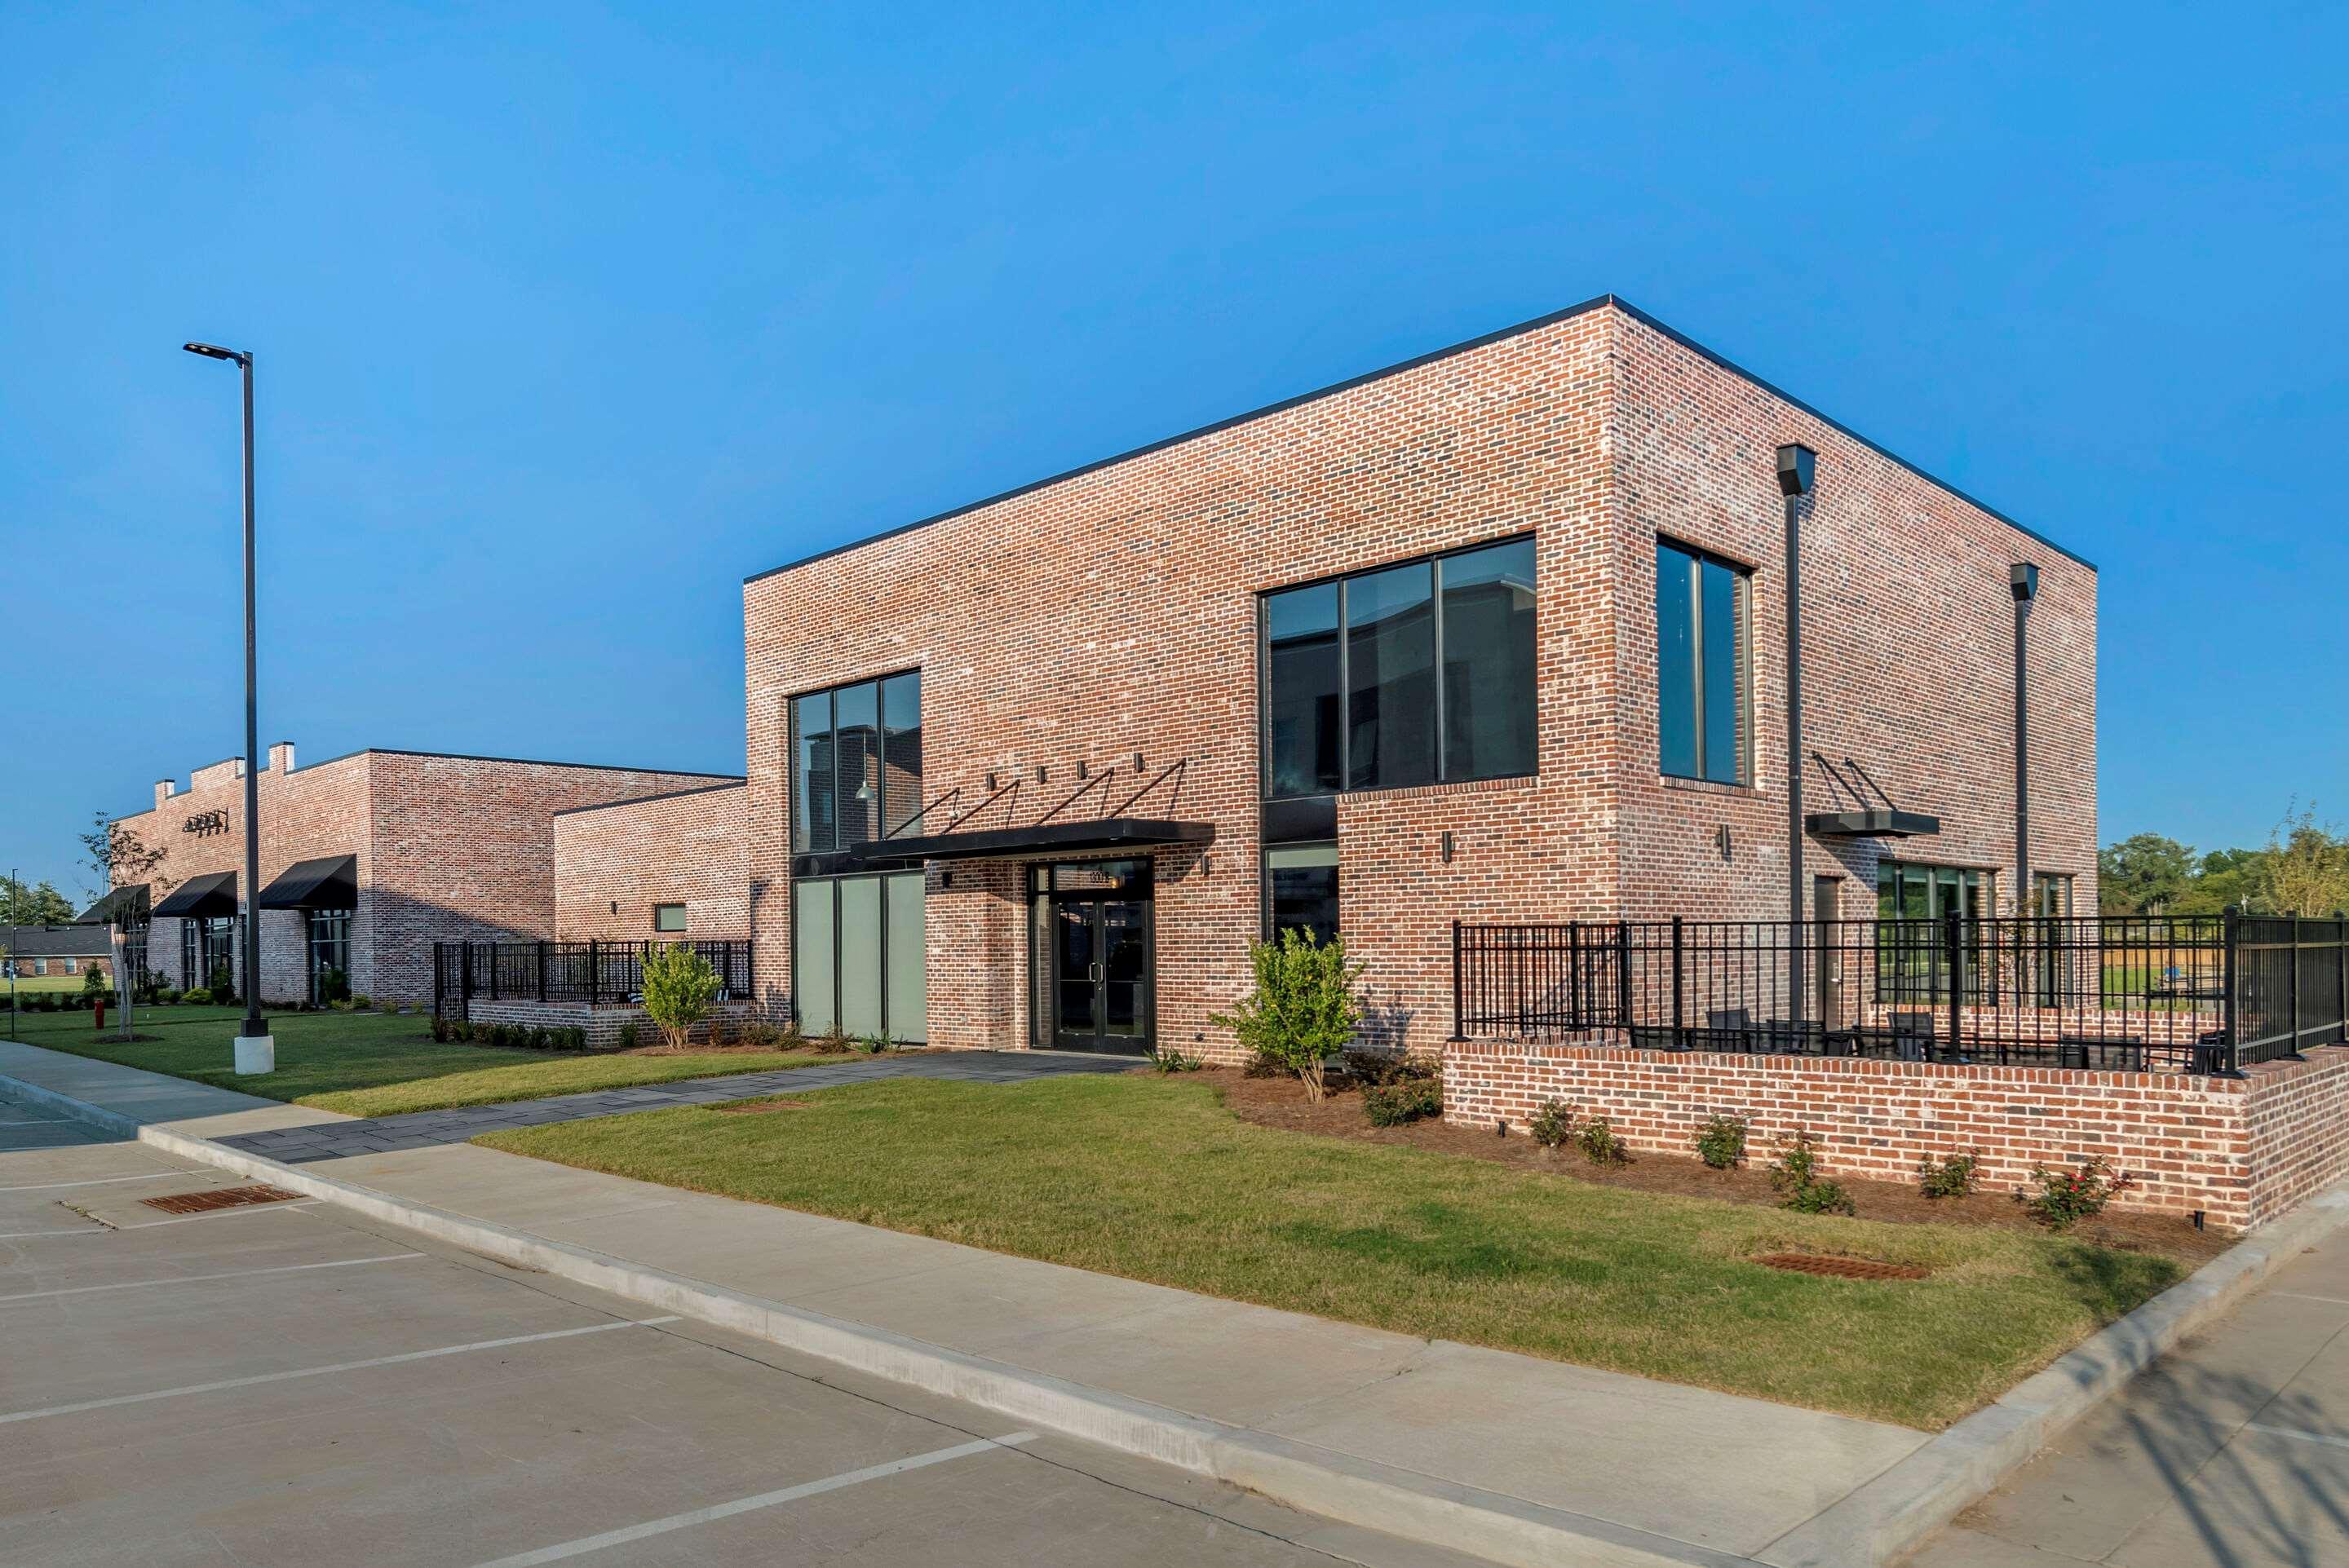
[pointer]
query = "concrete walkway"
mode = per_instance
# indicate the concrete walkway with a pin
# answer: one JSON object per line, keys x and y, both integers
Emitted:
{"x": 2231, "y": 1452}
{"x": 1640, "y": 1471}
{"x": 338, "y": 1136}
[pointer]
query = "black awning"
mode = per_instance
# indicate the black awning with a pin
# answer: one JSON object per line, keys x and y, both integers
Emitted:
{"x": 205, "y": 897}
{"x": 122, "y": 903}
{"x": 1877, "y": 824}
{"x": 331, "y": 881}
{"x": 1044, "y": 839}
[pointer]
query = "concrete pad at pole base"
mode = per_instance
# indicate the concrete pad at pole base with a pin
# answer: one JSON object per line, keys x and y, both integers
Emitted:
{"x": 256, "y": 1054}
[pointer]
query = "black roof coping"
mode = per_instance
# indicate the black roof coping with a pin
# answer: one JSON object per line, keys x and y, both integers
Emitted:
{"x": 1535, "y": 324}
{"x": 732, "y": 783}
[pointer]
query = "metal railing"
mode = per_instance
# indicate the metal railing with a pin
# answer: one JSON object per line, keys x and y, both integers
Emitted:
{"x": 593, "y": 974}
{"x": 2159, "y": 993}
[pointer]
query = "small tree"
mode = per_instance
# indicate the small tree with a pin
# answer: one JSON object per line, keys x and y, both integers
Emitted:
{"x": 1302, "y": 1010}
{"x": 679, "y": 985}
{"x": 122, "y": 859}
{"x": 2304, "y": 870}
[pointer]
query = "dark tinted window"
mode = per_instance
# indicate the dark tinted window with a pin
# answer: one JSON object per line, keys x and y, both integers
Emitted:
{"x": 1301, "y": 695}
{"x": 1390, "y": 678}
{"x": 813, "y": 821}
{"x": 1301, "y": 889}
{"x": 1488, "y": 661}
{"x": 1702, "y": 699}
{"x": 856, "y": 731}
{"x": 668, "y": 917}
{"x": 856, "y": 762}
{"x": 901, "y": 748}
{"x": 1676, "y": 662}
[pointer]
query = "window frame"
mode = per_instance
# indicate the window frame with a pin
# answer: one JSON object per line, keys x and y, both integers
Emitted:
{"x": 1435, "y": 563}
{"x": 684, "y": 918}
{"x": 831, "y": 884}
{"x": 1740, "y": 669}
{"x": 880, "y": 740}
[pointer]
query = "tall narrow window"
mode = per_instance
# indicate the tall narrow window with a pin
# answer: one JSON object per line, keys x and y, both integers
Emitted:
{"x": 813, "y": 824}
{"x": 1302, "y": 692}
{"x": 856, "y": 731}
{"x": 1390, "y": 678}
{"x": 856, "y": 763}
{"x": 1488, "y": 661}
{"x": 901, "y": 749}
{"x": 1702, "y": 697}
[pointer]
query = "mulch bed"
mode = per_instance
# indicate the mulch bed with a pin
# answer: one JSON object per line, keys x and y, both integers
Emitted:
{"x": 1280, "y": 1103}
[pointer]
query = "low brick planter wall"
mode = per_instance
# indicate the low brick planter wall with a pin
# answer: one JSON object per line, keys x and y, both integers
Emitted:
{"x": 2242, "y": 1150}
{"x": 602, "y": 1025}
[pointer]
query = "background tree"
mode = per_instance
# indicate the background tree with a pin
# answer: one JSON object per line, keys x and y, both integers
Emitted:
{"x": 2142, "y": 875}
{"x": 121, "y": 858}
{"x": 2304, "y": 870}
{"x": 41, "y": 905}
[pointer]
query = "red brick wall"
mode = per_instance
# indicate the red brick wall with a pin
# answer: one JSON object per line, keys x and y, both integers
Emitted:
{"x": 447, "y": 847}
{"x": 1114, "y": 612}
{"x": 687, "y": 848}
{"x": 2241, "y": 1151}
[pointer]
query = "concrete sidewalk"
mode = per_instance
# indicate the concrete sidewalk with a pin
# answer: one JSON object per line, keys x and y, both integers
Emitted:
{"x": 1596, "y": 1466}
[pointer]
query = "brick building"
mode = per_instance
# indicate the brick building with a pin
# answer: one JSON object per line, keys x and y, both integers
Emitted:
{"x": 1494, "y": 634}
{"x": 38, "y": 951}
{"x": 367, "y": 861}
{"x": 662, "y": 868}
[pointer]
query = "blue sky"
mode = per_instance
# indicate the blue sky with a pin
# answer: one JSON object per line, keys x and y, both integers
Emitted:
{"x": 570, "y": 318}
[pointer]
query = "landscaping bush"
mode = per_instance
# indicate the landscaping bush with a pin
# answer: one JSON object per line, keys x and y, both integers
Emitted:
{"x": 1403, "y": 1099}
{"x": 1720, "y": 1142}
{"x": 1302, "y": 1010}
{"x": 1795, "y": 1176}
{"x": 1373, "y": 1068}
{"x": 2065, "y": 1197}
{"x": 1167, "y": 1061}
{"x": 1953, "y": 1176}
{"x": 1260, "y": 1065}
{"x": 1600, "y": 1145}
{"x": 362, "y": 1002}
{"x": 93, "y": 982}
{"x": 197, "y": 996}
{"x": 679, "y": 985}
{"x": 170, "y": 995}
{"x": 333, "y": 986}
{"x": 831, "y": 1044}
{"x": 540, "y": 1039}
{"x": 763, "y": 1034}
{"x": 221, "y": 984}
{"x": 1553, "y": 1124}
{"x": 628, "y": 1035}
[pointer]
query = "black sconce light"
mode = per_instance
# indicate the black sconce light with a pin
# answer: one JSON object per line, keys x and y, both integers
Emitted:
{"x": 1721, "y": 840}
{"x": 1447, "y": 846}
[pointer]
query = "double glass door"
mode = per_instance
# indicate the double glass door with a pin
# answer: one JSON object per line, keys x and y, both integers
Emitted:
{"x": 1097, "y": 937}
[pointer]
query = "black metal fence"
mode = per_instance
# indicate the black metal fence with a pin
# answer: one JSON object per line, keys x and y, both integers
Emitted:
{"x": 2188, "y": 993}
{"x": 594, "y": 973}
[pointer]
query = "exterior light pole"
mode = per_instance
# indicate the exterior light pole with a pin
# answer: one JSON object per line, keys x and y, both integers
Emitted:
{"x": 2022, "y": 582}
{"x": 255, "y": 1051}
{"x": 1797, "y": 464}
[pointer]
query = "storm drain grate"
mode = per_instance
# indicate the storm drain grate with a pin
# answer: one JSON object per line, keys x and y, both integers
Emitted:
{"x": 218, "y": 1198}
{"x": 1839, "y": 1268}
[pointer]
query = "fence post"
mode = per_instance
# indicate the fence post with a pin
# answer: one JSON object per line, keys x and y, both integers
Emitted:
{"x": 541, "y": 971}
{"x": 594, "y": 985}
{"x": 2341, "y": 961}
{"x": 493, "y": 971}
{"x": 1459, "y": 1030}
{"x": 1578, "y": 1015}
{"x": 2232, "y": 926}
{"x": 465, "y": 981}
{"x": 1954, "y": 948}
{"x": 1680, "y": 986}
{"x": 440, "y": 976}
{"x": 2295, "y": 990}
{"x": 1623, "y": 978}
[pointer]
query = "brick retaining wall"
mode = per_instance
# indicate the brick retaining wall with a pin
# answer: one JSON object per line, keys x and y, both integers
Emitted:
{"x": 2241, "y": 1149}
{"x": 602, "y": 1025}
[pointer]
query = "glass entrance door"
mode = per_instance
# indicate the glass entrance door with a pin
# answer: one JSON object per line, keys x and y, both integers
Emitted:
{"x": 1097, "y": 931}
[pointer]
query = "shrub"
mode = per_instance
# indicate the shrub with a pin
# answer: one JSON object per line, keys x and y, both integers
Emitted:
{"x": 628, "y": 1035}
{"x": 1951, "y": 1176}
{"x": 872, "y": 1045}
{"x": 830, "y": 1044}
{"x": 1795, "y": 1177}
{"x": 1404, "y": 1099}
{"x": 362, "y": 1002}
{"x": 170, "y": 995}
{"x": 1167, "y": 1061}
{"x": 93, "y": 982}
{"x": 1302, "y": 1010}
{"x": 1720, "y": 1143}
{"x": 221, "y": 984}
{"x": 1553, "y": 1124}
{"x": 197, "y": 996}
{"x": 678, "y": 985}
{"x": 1600, "y": 1145}
{"x": 540, "y": 1039}
{"x": 576, "y": 1037}
{"x": 2065, "y": 1197}
{"x": 1260, "y": 1065}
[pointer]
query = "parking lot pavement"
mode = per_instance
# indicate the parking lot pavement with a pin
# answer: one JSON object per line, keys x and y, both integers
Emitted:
{"x": 2231, "y": 1452}
{"x": 283, "y": 1384}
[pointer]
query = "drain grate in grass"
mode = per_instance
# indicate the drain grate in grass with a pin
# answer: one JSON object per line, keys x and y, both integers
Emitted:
{"x": 1838, "y": 1268}
{"x": 218, "y": 1198}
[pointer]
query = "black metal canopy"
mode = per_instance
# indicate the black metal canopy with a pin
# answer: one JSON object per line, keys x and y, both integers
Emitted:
{"x": 206, "y": 897}
{"x": 122, "y": 903}
{"x": 1042, "y": 838}
{"x": 1886, "y": 823}
{"x": 330, "y": 882}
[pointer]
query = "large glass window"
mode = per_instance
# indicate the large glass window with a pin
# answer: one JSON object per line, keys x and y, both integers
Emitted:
{"x": 856, "y": 763}
{"x": 1911, "y": 953}
{"x": 857, "y": 956}
{"x": 207, "y": 949}
{"x": 1701, "y": 697}
{"x": 1430, "y": 663}
{"x": 1301, "y": 890}
{"x": 328, "y": 940}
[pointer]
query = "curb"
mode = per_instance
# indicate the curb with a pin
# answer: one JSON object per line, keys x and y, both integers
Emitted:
{"x": 1893, "y": 1514}
{"x": 73, "y": 1110}
{"x": 1341, "y": 1487}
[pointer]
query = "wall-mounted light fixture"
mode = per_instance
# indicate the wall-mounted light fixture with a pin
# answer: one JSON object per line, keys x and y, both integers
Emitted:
{"x": 615, "y": 906}
{"x": 990, "y": 784}
{"x": 1083, "y": 770}
{"x": 1447, "y": 846}
{"x": 1043, "y": 774}
{"x": 1721, "y": 840}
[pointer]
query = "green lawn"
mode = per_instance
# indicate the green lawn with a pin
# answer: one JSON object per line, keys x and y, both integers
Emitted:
{"x": 39, "y": 982}
{"x": 1152, "y": 1178}
{"x": 370, "y": 1063}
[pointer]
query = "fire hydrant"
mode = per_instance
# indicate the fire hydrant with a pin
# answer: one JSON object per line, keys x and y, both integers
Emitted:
{"x": 99, "y": 1009}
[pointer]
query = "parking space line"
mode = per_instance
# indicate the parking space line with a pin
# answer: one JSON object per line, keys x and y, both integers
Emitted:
{"x": 98, "y": 1229}
{"x": 2304, "y": 1295}
{"x": 104, "y": 1181}
{"x": 82, "y": 1405}
{"x": 748, "y": 1504}
{"x": 2295, "y": 1435}
{"x": 198, "y": 1279}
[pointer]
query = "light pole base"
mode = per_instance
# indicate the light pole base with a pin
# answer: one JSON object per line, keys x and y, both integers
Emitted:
{"x": 256, "y": 1054}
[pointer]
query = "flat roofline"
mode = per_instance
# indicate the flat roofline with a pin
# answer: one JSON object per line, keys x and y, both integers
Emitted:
{"x": 729, "y": 779}
{"x": 1535, "y": 324}
{"x": 647, "y": 800}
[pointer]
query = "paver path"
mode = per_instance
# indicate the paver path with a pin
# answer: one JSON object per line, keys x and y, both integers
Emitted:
{"x": 424, "y": 1129}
